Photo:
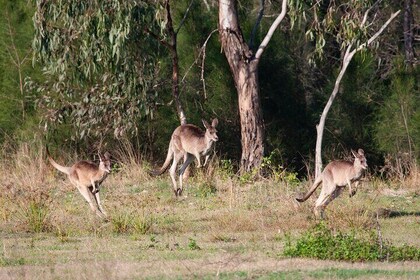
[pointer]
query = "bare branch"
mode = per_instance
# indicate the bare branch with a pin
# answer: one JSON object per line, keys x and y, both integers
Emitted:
{"x": 184, "y": 18}
{"x": 367, "y": 13}
{"x": 376, "y": 35}
{"x": 202, "y": 51}
{"x": 270, "y": 32}
{"x": 207, "y": 5}
{"x": 257, "y": 23}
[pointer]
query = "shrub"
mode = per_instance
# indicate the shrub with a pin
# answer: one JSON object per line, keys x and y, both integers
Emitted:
{"x": 320, "y": 242}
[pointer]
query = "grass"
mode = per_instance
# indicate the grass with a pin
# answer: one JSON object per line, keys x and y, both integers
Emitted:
{"x": 222, "y": 228}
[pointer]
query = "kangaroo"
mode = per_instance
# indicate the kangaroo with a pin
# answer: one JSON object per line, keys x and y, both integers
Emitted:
{"x": 87, "y": 177}
{"x": 188, "y": 141}
{"x": 336, "y": 175}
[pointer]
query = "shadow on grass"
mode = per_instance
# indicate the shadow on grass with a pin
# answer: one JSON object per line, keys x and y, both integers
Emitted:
{"x": 389, "y": 213}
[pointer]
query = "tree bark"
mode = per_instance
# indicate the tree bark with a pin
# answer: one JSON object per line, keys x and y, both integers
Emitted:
{"x": 245, "y": 74}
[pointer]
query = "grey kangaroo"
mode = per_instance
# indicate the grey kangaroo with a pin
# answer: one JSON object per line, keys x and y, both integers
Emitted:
{"x": 87, "y": 177}
{"x": 188, "y": 142}
{"x": 336, "y": 175}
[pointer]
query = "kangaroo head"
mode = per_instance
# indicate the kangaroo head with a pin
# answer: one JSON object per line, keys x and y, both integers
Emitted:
{"x": 105, "y": 162}
{"x": 360, "y": 159}
{"x": 211, "y": 130}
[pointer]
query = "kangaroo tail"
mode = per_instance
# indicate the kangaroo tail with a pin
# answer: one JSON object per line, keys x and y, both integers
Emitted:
{"x": 61, "y": 168}
{"x": 166, "y": 164}
{"x": 311, "y": 191}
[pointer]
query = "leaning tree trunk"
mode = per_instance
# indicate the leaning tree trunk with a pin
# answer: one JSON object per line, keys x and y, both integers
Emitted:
{"x": 245, "y": 74}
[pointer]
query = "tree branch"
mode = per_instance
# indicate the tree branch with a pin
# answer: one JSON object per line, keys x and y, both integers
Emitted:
{"x": 376, "y": 35}
{"x": 160, "y": 40}
{"x": 270, "y": 32}
{"x": 184, "y": 18}
{"x": 202, "y": 51}
{"x": 257, "y": 23}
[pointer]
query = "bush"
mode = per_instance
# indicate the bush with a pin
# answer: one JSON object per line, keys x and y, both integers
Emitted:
{"x": 320, "y": 242}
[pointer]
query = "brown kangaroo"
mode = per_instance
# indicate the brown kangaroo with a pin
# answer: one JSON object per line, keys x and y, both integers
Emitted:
{"x": 188, "y": 141}
{"x": 336, "y": 175}
{"x": 87, "y": 177}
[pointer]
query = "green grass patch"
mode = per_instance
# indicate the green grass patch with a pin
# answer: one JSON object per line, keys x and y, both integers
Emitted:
{"x": 325, "y": 273}
{"x": 320, "y": 242}
{"x": 11, "y": 262}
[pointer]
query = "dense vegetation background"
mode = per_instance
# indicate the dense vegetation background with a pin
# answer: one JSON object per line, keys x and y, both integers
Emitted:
{"x": 129, "y": 95}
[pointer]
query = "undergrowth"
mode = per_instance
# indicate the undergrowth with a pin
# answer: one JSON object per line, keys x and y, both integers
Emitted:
{"x": 321, "y": 242}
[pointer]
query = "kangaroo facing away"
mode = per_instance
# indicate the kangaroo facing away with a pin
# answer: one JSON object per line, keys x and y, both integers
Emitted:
{"x": 87, "y": 177}
{"x": 188, "y": 142}
{"x": 336, "y": 175}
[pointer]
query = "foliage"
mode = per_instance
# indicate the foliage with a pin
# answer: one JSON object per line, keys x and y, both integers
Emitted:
{"x": 342, "y": 22}
{"x": 99, "y": 72}
{"x": 16, "y": 103}
{"x": 105, "y": 76}
{"x": 320, "y": 242}
{"x": 271, "y": 168}
{"x": 397, "y": 128}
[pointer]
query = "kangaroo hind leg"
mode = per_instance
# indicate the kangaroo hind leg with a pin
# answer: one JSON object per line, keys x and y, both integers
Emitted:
{"x": 85, "y": 192}
{"x": 187, "y": 162}
{"x": 172, "y": 171}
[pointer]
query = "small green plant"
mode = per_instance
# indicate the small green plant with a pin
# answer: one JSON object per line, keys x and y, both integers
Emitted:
{"x": 35, "y": 215}
{"x": 205, "y": 189}
{"x": 61, "y": 234}
{"x": 121, "y": 222}
{"x": 142, "y": 224}
{"x": 131, "y": 222}
{"x": 226, "y": 167}
{"x": 248, "y": 177}
{"x": 320, "y": 242}
{"x": 192, "y": 244}
{"x": 271, "y": 168}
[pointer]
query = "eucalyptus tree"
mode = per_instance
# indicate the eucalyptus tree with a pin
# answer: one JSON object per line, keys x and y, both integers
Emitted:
{"x": 244, "y": 62}
{"x": 354, "y": 27}
{"x": 100, "y": 59}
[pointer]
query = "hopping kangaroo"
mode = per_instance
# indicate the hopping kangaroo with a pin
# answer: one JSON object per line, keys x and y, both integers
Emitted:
{"x": 337, "y": 175}
{"x": 87, "y": 177}
{"x": 188, "y": 141}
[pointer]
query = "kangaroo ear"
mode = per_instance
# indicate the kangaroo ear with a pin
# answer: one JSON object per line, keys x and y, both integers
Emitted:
{"x": 206, "y": 124}
{"x": 107, "y": 155}
{"x": 215, "y": 122}
{"x": 361, "y": 152}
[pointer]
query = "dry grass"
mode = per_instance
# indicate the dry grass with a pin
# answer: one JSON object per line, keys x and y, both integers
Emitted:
{"x": 223, "y": 217}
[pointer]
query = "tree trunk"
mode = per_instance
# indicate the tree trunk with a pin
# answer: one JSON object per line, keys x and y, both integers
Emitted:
{"x": 408, "y": 32}
{"x": 172, "y": 46}
{"x": 252, "y": 128}
{"x": 245, "y": 74}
